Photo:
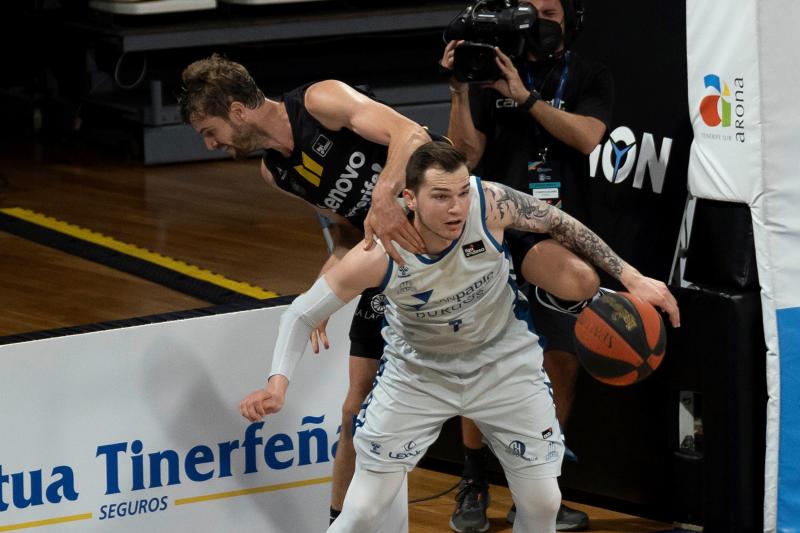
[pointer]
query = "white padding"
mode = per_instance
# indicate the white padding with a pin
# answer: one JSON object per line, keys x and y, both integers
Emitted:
{"x": 297, "y": 322}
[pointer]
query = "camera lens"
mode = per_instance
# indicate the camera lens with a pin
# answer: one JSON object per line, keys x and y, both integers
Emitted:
{"x": 474, "y": 62}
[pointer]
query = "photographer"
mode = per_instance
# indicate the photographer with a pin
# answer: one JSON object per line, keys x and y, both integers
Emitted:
{"x": 531, "y": 125}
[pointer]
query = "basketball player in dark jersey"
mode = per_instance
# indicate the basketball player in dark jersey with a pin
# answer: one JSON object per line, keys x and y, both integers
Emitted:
{"x": 345, "y": 154}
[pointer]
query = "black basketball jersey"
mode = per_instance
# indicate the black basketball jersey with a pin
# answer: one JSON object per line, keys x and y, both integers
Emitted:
{"x": 334, "y": 170}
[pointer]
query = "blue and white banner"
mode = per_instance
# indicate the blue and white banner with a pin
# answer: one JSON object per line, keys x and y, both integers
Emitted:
{"x": 138, "y": 429}
{"x": 743, "y": 86}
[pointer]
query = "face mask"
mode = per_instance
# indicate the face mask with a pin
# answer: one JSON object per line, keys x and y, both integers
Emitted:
{"x": 544, "y": 37}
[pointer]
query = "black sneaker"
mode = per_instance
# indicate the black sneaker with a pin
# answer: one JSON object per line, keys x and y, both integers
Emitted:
{"x": 567, "y": 519}
{"x": 471, "y": 503}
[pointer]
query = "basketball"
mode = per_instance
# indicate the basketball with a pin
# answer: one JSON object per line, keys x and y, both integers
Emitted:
{"x": 620, "y": 339}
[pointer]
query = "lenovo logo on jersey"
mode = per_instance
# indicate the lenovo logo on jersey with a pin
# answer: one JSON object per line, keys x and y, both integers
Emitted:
{"x": 473, "y": 248}
{"x": 344, "y": 184}
{"x": 619, "y": 155}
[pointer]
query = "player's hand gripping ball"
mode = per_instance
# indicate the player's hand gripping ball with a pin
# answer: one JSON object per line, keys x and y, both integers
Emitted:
{"x": 620, "y": 339}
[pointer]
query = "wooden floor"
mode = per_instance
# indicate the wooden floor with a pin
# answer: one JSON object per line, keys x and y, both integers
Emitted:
{"x": 219, "y": 216}
{"x": 432, "y": 516}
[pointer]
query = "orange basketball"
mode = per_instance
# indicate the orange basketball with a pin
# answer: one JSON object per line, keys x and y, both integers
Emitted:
{"x": 620, "y": 339}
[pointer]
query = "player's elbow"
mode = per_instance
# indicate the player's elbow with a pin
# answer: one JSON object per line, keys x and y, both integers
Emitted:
{"x": 417, "y": 135}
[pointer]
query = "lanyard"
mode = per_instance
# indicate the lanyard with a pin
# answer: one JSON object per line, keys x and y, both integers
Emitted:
{"x": 561, "y": 82}
{"x": 557, "y": 99}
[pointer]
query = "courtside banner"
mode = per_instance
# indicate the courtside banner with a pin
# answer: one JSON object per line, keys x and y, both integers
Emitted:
{"x": 138, "y": 429}
{"x": 723, "y": 91}
{"x": 743, "y": 85}
{"x": 777, "y": 209}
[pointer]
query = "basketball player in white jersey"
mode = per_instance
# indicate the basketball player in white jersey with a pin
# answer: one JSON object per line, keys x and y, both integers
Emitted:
{"x": 457, "y": 340}
{"x": 332, "y": 125}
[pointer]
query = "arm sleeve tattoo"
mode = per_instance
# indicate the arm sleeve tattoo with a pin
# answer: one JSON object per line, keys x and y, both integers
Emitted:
{"x": 521, "y": 211}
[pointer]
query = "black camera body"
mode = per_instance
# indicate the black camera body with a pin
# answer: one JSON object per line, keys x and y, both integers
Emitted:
{"x": 485, "y": 24}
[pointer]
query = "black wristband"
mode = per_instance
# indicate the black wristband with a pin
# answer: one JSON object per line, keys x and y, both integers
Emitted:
{"x": 532, "y": 98}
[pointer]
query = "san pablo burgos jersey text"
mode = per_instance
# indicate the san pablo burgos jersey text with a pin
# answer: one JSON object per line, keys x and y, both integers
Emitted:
{"x": 445, "y": 311}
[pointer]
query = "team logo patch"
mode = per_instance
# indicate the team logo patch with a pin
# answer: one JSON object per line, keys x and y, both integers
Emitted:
{"x": 378, "y": 303}
{"x": 516, "y": 448}
{"x": 322, "y": 145}
{"x": 410, "y": 450}
{"x": 473, "y": 248}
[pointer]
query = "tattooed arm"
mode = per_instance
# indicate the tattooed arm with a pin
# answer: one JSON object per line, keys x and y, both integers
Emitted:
{"x": 509, "y": 208}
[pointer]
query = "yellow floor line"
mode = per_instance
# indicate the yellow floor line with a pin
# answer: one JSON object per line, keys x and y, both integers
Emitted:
{"x": 47, "y": 522}
{"x": 140, "y": 253}
{"x": 254, "y": 490}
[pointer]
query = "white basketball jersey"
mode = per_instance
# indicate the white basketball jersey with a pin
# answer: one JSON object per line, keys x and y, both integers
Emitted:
{"x": 441, "y": 309}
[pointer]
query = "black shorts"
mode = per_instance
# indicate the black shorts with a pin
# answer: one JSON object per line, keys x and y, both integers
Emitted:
{"x": 555, "y": 329}
{"x": 365, "y": 329}
{"x": 519, "y": 243}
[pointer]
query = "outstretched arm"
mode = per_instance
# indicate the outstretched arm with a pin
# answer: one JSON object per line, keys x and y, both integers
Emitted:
{"x": 344, "y": 236}
{"x": 358, "y": 270}
{"x": 337, "y": 105}
{"x": 509, "y": 208}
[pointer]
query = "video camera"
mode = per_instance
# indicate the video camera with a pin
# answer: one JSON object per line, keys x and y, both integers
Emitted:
{"x": 485, "y": 24}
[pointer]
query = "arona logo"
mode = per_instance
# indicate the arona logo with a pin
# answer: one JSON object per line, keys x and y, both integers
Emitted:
{"x": 621, "y": 152}
{"x": 724, "y": 106}
{"x": 715, "y": 107}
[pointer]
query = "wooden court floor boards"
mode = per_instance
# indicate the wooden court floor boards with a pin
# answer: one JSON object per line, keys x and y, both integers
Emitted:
{"x": 43, "y": 288}
{"x": 433, "y": 516}
{"x": 219, "y": 216}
